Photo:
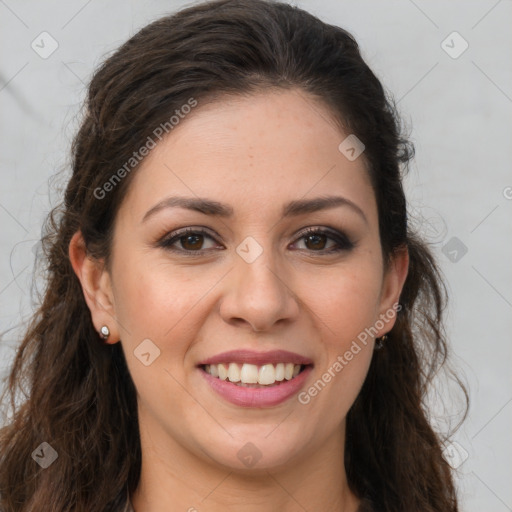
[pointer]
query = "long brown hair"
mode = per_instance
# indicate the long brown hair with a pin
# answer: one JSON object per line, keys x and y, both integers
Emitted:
{"x": 77, "y": 394}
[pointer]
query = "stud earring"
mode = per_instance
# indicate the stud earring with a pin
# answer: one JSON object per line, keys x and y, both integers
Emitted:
{"x": 104, "y": 332}
{"x": 379, "y": 342}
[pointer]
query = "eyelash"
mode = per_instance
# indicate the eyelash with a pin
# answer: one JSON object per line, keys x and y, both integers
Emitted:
{"x": 344, "y": 243}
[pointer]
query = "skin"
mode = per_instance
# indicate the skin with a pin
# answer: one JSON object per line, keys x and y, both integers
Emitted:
{"x": 255, "y": 154}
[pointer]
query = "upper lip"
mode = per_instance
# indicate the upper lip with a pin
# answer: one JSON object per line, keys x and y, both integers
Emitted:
{"x": 258, "y": 358}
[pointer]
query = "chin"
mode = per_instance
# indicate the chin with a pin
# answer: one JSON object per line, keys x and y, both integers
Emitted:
{"x": 256, "y": 448}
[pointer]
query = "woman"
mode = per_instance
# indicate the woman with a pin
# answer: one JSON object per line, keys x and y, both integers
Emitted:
{"x": 237, "y": 315}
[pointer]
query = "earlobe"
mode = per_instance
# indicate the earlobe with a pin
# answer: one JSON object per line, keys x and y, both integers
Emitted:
{"x": 393, "y": 284}
{"x": 96, "y": 286}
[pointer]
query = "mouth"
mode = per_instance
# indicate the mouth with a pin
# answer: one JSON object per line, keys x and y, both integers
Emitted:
{"x": 254, "y": 379}
{"x": 253, "y": 376}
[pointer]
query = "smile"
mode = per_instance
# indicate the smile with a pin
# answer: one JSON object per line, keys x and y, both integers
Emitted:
{"x": 251, "y": 375}
{"x": 256, "y": 379}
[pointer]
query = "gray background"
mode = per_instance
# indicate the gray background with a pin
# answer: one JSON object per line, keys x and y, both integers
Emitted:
{"x": 460, "y": 184}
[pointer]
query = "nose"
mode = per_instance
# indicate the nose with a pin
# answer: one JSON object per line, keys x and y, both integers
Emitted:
{"x": 259, "y": 295}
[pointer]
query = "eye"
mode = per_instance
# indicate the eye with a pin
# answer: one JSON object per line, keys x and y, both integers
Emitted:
{"x": 190, "y": 239}
{"x": 316, "y": 239}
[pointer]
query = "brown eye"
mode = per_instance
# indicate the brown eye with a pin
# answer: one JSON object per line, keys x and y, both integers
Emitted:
{"x": 317, "y": 240}
{"x": 191, "y": 242}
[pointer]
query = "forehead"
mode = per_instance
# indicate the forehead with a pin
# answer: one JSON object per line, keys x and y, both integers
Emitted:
{"x": 252, "y": 151}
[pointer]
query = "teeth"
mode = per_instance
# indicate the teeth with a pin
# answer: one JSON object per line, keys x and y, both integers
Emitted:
{"x": 267, "y": 374}
{"x": 223, "y": 372}
{"x": 279, "y": 371}
{"x": 247, "y": 373}
{"x": 234, "y": 372}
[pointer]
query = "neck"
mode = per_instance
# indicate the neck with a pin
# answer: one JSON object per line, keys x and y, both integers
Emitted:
{"x": 315, "y": 480}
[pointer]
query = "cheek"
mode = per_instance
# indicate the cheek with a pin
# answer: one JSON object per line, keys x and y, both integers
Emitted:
{"x": 153, "y": 298}
{"x": 346, "y": 301}
{"x": 344, "y": 311}
{"x": 346, "y": 304}
{"x": 331, "y": 395}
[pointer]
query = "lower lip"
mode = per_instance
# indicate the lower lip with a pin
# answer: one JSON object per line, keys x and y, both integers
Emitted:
{"x": 257, "y": 397}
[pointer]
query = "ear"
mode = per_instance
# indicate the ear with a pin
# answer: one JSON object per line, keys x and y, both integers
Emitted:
{"x": 96, "y": 286}
{"x": 393, "y": 282}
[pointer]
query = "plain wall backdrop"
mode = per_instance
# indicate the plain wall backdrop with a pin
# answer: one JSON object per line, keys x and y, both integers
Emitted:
{"x": 448, "y": 65}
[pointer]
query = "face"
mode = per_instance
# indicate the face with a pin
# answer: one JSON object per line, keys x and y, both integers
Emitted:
{"x": 263, "y": 277}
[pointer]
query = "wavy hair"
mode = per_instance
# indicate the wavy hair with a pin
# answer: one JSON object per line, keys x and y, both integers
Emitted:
{"x": 78, "y": 394}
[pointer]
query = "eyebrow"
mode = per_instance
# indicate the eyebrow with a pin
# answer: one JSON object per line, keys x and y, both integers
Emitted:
{"x": 291, "y": 209}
